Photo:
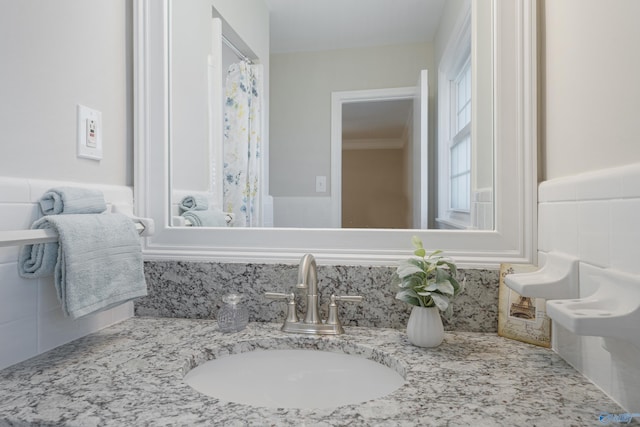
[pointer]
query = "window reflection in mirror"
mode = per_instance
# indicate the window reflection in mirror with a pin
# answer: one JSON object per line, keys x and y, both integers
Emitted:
{"x": 287, "y": 178}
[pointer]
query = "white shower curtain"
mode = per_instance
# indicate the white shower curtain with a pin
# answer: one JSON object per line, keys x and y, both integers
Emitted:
{"x": 243, "y": 144}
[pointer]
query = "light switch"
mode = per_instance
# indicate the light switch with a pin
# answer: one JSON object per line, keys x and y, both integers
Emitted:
{"x": 89, "y": 133}
{"x": 321, "y": 184}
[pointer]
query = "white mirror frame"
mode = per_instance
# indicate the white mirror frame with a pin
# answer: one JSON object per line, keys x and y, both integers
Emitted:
{"x": 515, "y": 157}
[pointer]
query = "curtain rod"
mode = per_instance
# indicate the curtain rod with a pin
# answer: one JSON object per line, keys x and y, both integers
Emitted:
{"x": 235, "y": 50}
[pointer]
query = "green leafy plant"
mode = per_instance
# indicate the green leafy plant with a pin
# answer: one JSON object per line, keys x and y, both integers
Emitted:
{"x": 427, "y": 280}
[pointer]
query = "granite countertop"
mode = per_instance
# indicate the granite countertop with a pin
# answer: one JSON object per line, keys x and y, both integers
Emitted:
{"x": 131, "y": 374}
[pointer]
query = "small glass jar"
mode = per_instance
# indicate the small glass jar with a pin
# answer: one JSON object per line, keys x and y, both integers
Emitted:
{"x": 232, "y": 316}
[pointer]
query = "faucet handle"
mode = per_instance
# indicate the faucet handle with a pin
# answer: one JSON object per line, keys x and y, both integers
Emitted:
{"x": 292, "y": 316}
{"x": 332, "y": 318}
{"x": 347, "y": 298}
{"x": 277, "y": 295}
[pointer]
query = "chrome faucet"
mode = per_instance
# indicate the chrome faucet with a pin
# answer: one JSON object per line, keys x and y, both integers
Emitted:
{"x": 312, "y": 323}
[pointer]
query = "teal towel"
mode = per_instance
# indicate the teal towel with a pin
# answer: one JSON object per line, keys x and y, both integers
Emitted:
{"x": 194, "y": 203}
{"x": 97, "y": 262}
{"x": 206, "y": 218}
{"x": 72, "y": 200}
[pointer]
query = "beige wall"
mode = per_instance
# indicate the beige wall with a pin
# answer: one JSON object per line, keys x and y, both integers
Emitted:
{"x": 591, "y": 92}
{"x": 54, "y": 56}
{"x": 300, "y": 104}
{"x": 374, "y": 194}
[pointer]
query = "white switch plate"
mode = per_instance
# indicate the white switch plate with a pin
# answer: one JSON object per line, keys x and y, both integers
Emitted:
{"x": 321, "y": 184}
{"x": 89, "y": 133}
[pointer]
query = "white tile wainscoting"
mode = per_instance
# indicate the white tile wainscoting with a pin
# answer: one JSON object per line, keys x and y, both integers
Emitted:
{"x": 31, "y": 320}
{"x": 595, "y": 217}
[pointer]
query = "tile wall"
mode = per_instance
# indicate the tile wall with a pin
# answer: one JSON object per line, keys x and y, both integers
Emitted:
{"x": 596, "y": 217}
{"x": 482, "y": 209}
{"x": 31, "y": 321}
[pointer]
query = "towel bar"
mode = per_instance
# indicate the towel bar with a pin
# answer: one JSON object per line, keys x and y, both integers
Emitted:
{"x": 180, "y": 221}
{"x": 30, "y": 237}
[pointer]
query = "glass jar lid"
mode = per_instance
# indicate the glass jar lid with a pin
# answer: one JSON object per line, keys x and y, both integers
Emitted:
{"x": 232, "y": 299}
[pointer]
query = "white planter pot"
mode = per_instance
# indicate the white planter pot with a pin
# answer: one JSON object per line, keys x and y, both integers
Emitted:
{"x": 424, "y": 328}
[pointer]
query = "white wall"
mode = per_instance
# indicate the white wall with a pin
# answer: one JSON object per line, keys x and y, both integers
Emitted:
{"x": 482, "y": 110}
{"x": 191, "y": 44}
{"x": 591, "y": 68}
{"x": 300, "y": 104}
{"x": 250, "y": 19}
{"x": 591, "y": 89}
{"x": 54, "y": 56}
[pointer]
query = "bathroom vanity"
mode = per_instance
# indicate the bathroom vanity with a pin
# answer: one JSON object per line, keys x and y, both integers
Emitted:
{"x": 132, "y": 374}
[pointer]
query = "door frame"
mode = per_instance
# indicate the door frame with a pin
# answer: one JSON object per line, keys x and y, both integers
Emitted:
{"x": 337, "y": 100}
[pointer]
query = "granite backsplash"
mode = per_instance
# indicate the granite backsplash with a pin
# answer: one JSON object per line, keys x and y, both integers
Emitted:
{"x": 194, "y": 290}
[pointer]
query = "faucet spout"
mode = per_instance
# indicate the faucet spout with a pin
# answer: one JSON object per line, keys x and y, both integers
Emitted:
{"x": 308, "y": 280}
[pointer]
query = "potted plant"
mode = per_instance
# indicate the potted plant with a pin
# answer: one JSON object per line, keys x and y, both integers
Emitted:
{"x": 428, "y": 283}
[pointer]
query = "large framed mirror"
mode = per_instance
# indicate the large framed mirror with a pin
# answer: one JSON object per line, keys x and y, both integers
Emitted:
{"x": 505, "y": 121}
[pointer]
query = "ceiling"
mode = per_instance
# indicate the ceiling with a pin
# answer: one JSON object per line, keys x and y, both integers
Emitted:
{"x": 304, "y": 25}
{"x": 375, "y": 120}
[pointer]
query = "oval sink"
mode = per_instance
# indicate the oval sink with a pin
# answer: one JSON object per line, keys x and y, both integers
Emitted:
{"x": 294, "y": 379}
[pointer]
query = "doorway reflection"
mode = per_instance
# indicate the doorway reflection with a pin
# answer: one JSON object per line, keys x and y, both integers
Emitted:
{"x": 376, "y": 164}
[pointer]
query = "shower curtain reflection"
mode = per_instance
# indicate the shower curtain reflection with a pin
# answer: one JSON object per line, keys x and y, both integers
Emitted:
{"x": 243, "y": 144}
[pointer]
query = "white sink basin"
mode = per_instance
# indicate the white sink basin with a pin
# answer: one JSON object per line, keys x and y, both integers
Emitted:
{"x": 294, "y": 379}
